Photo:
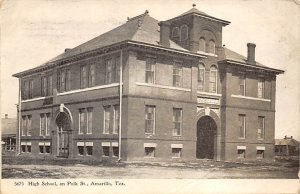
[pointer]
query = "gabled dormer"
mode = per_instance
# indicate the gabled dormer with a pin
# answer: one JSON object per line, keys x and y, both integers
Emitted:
{"x": 197, "y": 31}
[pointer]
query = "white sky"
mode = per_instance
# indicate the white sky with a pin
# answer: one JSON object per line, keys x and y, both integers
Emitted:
{"x": 34, "y": 31}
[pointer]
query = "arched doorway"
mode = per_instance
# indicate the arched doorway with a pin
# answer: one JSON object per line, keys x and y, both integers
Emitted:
{"x": 206, "y": 130}
{"x": 63, "y": 134}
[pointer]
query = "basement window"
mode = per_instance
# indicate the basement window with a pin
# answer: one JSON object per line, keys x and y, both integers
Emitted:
{"x": 241, "y": 153}
{"x": 105, "y": 150}
{"x": 260, "y": 154}
{"x": 89, "y": 150}
{"x": 115, "y": 151}
{"x": 176, "y": 152}
{"x": 150, "y": 152}
{"x": 80, "y": 147}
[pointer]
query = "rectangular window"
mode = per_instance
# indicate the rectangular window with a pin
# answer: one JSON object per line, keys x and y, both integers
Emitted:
{"x": 30, "y": 94}
{"x": 108, "y": 71}
{"x": 150, "y": 152}
{"x": 242, "y": 85}
{"x": 25, "y": 89}
{"x": 45, "y": 120}
{"x": 80, "y": 150}
{"x": 116, "y": 119}
{"x": 92, "y": 75}
{"x": 177, "y": 74}
{"x": 115, "y": 151}
{"x": 89, "y": 148}
{"x": 150, "y": 119}
{"x": 213, "y": 80}
{"x": 46, "y": 86}
{"x": 241, "y": 153}
{"x": 82, "y": 121}
{"x": 117, "y": 77}
{"x": 261, "y": 127}
{"x": 261, "y": 88}
{"x": 260, "y": 154}
{"x": 105, "y": 150}
{"x": 89, "y": 120}
{"x": 201, "y": 74}
{"x": 177, "y": 121}
{"x": 150, "y": 70}
{"x": 48, "y": 122}
{"x": 24, "y": 125}
{"x": 242, "y": 126}
{"x": 44, "y": 147}
{"x": 23, "y": 148}
{"x": 26, "y": 147}
{"x": 106, "y": 127}
{"x": 83, "y": 77}
{"x": 42, "y": 124}
{"x": 63, "y": 80}
{"x": 176, "y": 152}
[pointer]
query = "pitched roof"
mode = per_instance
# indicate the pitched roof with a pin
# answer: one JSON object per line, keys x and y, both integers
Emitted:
{"x": 142, "y": 28}
{"x": 234, "y": 57}
{"x": 287, "y": 141}
{"x": 9, "y": 126}
{"x": 201, "y": 13}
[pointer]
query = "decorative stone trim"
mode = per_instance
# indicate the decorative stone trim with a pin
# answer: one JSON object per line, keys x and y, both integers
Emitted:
{"x": 162, "y": 86}
{"x": 251, "y": 98}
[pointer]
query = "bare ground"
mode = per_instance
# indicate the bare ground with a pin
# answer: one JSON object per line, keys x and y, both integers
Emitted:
{"x": 200, "y": 169}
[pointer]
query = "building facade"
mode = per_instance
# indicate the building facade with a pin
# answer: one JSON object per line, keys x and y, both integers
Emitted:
{"x": 150, "y": 90}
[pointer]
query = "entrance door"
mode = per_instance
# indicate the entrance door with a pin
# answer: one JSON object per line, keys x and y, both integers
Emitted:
{"x": 63, "y": 141}
{"x": 206, "y": 129}
{"x": 63, "y": 127}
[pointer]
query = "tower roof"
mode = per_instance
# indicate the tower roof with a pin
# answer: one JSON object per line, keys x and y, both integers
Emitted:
{"x": 195, "y": 11}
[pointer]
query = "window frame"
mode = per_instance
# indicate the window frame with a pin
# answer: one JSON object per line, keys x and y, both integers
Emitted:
{"x": 148, "y": 107}
{"x": 239, "y": 154}
{"x": 181, "y": 32}
{"x": 242, "y": 128}
{"x": 202, "y": 44}
{"x": 177, "y": 65}
{"x": 109, "y": 71}
{"x": 262, "y": 136}
{"x": 180, "y": 152}
{"x": 242, "y": 83}
{"x": 201, "y": 67}
{"x": 89, "y": 120}
{"x": 213, "y": 84}
{"x": 116, "y": 126}
{"x": 106, "y": 119}
{"x": 150, "y": 72}
{"x": 82, "y": 124}
{"x": 212, "y": 48}
{"x": 147, "y": 155}
{"x": 175, "y": 29}
{"x": 261, "y": 90}
{"x": 175, "y": 130}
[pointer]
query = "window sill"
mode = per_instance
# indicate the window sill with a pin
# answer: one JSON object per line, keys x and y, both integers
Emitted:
{"x": 209, "y": 94}
{"x": 34, "y": 99}
{"x": 149, "y": 157}
{"x": 88, "y": 89}
{"x": 175, "y": 157}
{"x": 162, "y": 86}
{"x": 105, "y": 156}
{"x": 251, "y": 98}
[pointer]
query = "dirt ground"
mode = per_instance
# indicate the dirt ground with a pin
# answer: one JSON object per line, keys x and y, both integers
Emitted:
{"x": 201, "y": 169}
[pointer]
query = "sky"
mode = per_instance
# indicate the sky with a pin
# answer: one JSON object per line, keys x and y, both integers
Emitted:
{"x": 35, "y": 31}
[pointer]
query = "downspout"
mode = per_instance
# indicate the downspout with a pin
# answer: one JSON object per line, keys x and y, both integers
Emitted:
{"x": 120, "y": 106}
{"x": 19, "y": 119}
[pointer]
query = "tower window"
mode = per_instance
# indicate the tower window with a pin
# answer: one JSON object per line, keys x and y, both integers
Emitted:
{"x": 184, "y": 32}
{"x": 212, "y": 47}
{"x": 202, "y": 44}
{"x": 175, "y": 32}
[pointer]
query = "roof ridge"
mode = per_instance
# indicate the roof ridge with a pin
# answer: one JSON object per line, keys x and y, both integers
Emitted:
{"x": 138, "y": 16}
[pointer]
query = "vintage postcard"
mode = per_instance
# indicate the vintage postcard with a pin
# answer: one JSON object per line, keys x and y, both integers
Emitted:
{"x": 150, "y": 96}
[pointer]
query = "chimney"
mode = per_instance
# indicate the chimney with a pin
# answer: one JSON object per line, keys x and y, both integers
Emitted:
{"x": 251, "y": 53}
{"x": 6, "y": 116}
{"x": 164, "y": 33}
{"x": 291, "y": 137}
{"x": 67, "y": 49}
{"x": 284, "y": 137}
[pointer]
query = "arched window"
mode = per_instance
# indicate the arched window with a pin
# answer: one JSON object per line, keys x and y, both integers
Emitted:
{"x": 201, "y": 76}
{"x": 184, "y": 31}
{"x": 213, "y": 79}
{"x": 175, "y": 32}
{"x": 202, "y": 44}
{"x": 212, "y": 47}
